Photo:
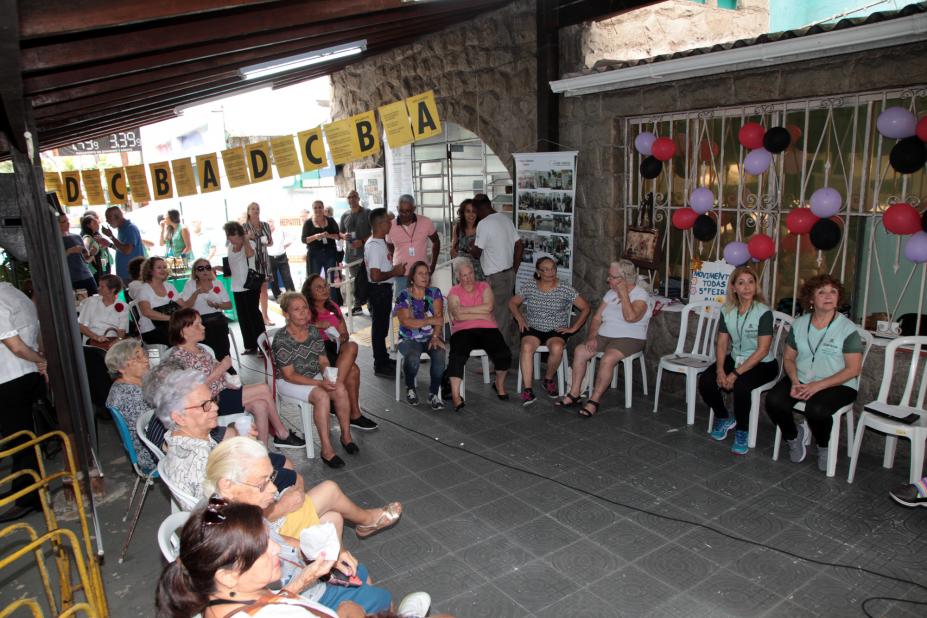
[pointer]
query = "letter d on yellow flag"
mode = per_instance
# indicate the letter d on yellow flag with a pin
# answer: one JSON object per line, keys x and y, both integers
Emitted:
{"x": 424, "y": 114}
{"x": 366, "y": 132}
{"x": 258, "y": 156}
{"x": 72, "y": 193}
{"x": 161, "y": 180}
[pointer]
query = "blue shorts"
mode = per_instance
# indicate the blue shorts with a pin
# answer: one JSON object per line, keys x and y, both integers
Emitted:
{"x": 371, "y": 598}
{"x": 285, "y": 477}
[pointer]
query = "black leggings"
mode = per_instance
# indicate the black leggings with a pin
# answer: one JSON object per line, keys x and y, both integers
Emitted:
{"x": 465, "y": 341}
{"x": 743, "y": 389}
{"x": 250, "y": 321}
{"x": 819, "y": 409}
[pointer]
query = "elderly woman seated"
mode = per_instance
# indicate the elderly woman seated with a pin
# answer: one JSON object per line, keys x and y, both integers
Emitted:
{"x": 420, "y": 309}
{"x": 127, "y": 362}
{"x": 470, "y": 304}
{"x": 618, "y": 330}
{"x": 102, "y": 317}
{"x": 186, "y": 333}
{"x": 184, "y": 404}
{"x": 299, "y": 354}
{"x": 203, "y": 293}
{"x": 238, "y": 470}
{"x": 340, "y": 350}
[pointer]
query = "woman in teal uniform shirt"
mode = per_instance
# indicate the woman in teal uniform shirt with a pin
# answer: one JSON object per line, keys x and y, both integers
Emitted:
{"x": 822, "y": 360}
{"x": 745, "y": 358}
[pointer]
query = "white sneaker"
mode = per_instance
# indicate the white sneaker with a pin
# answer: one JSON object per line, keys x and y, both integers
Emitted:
{"x": 415, "y": 605}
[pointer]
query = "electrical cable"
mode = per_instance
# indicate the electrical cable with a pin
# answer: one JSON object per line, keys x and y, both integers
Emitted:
{"x": 694, "y": 524}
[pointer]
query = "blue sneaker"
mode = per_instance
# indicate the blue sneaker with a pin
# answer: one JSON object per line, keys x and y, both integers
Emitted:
{"x": 722, "y": 426}
{"x": 740, "y": 443}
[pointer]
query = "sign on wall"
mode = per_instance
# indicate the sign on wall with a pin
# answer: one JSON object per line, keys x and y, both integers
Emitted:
{"x": 709, "y": 281}
{"x": 545, "y": 200}
{"x": 122, "y": 141}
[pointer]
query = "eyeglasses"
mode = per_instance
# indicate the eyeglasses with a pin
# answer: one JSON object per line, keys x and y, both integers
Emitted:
{"x": 263, "y": 484}
{"x": 214, "y": 401}
{"x": 213, "y": 516}
{"x": 201, "y": 268}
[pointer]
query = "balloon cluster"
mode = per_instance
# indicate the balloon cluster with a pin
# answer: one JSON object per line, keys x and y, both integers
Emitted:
{"x": 903, "y": 219}
{"x": 763, "y": 144}
{"x": 817, "y": 222}
{"x": 909, "y": 154}
{"x": 656, "y": 150}
{"x": 696, "y": 216}
{"x": 759, "y": 247}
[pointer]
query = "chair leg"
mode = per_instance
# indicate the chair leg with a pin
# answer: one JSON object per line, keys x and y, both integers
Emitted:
{"x": 833, "y": 449}
{"x": 615, "y": 375}
{"x": 754, "y": 418}
{"x": 850, "y": 420}
{"x": 643, "y": 375}
{"x": 711, "y": 419}
{"x": 398, "y": 371}
{"x": 857, "y": 443}
{"x": 888, "y": 459}
{"x": 562, "y": 374}
{"x": 656, "y": 390}
{"x": 138, "y": 480}
{"x": 235, "y": 348}
{"x": 518, "y": 383}
{"x": 138, "y": 511}
{"x": 484, "y": 360}
{"x": 305, "y": 412}
{"x": 917, "y": 458}
{"x": 628, "y": 383}
{"x": 590, "y": 375}
{"x": 691, "y": 393}
{"x": 777, "y": 443}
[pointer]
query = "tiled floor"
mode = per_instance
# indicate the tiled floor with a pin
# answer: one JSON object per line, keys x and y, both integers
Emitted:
{"x": 488, "y": 540}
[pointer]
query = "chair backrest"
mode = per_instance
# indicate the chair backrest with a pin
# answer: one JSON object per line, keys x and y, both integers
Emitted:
{"x": 185, "y": 500}
{"x": 782, "y": 323}
{"x": 141, "y": 430}
{"x": 868, "y": 340}
{"x": 161, "y": 353}
{"x": 168, "y": 538}
{"x": 703, "y": 344}
{"x": 915, "y": 379}
{"x": 263, "y": 342}
{"x": 134, "y": 311}
{"x": 124, "y": 436}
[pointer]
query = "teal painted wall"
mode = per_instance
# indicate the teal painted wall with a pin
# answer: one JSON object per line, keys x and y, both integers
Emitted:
{"x": 791, "y": 14}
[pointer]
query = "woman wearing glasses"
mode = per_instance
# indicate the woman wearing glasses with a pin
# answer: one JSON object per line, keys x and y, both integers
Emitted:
{"x": 185, "y": 406}
{"x": 203, "y": 293}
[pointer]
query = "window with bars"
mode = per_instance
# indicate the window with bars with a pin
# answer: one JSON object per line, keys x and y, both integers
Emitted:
{"x": 835, "y": 144}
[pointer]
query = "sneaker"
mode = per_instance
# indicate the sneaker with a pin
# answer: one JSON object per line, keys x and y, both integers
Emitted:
{"x": 822, "y": 458}
{"x": 797, "y": 450}
{"x": 740, "y": 443}
{"x": 911, "y": 495}
{"x": 415, "y": 605}
{"x": 722, "y": 426}
{"x": 436, "y": 402}
{"x": 357, "y": 311}
{"x": 363, "y": 423}
{"x": 412, "y": 397}
{"x": 551, "y": 387}
{"x": 293, "y": 440}
{"x": 527, "y": 397}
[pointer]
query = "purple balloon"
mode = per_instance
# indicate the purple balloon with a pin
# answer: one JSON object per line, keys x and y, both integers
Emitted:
{"x": 757, "y": 161}
{"x": 896, "y": 123}
{"x": 915, "y": 248}
{"x": 736, "y": 253}
{"x": 826, "y": 202}
{"x": 701, "y": 200}
{"x": 644, "y": 143}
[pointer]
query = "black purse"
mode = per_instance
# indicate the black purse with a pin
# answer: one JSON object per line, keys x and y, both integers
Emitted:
{"x": 253, "y": 280}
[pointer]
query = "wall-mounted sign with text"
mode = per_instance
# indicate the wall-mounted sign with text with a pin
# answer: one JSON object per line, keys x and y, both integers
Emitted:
{"x": 123, "y": 141}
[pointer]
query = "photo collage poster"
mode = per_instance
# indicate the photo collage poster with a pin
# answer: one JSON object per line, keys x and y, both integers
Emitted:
{"x": 545, "y": 200}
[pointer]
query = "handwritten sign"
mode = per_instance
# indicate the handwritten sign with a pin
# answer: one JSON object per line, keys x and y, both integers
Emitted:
{"x": 710, "y": 282}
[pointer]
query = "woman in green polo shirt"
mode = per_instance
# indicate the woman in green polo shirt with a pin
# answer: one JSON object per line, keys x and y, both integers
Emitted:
{"x": 745, "y": 359}
{"x": 822, "y": 360}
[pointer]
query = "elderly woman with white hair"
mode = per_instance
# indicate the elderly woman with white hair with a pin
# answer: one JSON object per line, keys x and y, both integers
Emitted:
{"x": 239, "y": 470}
{"x": 473, "y": 327}
{"x": 184, "y": 404}
{"x": 127, "y": 362}
{"x": 618, "y": 329}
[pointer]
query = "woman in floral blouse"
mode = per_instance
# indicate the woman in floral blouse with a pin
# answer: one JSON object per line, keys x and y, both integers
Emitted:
{"x": 420, "y": 309}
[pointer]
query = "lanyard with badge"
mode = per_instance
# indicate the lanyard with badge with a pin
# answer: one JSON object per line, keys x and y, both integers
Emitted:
{"x": 411, "y": 236}
{"x": 814, "y": 350}
{"x": 739, "y": 328}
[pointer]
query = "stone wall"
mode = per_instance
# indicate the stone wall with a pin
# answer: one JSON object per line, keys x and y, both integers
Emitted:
{"x": 483, "y": 73}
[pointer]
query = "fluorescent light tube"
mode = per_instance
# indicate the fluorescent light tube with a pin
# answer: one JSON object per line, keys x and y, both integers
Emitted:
{"x": 303, "y": 60}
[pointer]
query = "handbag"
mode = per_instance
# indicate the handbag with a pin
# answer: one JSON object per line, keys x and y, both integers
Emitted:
{"x": 253, "y": 280}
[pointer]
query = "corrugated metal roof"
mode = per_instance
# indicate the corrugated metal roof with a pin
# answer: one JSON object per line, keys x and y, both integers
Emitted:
{"x": 603, "y": 66}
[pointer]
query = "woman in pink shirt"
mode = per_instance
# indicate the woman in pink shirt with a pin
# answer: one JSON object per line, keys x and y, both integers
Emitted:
{"x": 473, "y": 327}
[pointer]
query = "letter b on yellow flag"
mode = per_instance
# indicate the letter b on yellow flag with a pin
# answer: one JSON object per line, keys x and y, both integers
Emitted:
{"x": 366, "y": 134}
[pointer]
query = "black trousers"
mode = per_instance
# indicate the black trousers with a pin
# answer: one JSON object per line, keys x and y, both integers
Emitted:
{"x": 280, "y": 264}
{"x": 359, "y": 273}
{"x": 249, "y": 317}
{"x": 743, "y": 389}
{"x": 18, "y": 395}
{"x": 217, "y": 334}
{"x": 819, "y": 409}
{"x": 465, "y": 341}
{"x": 158, "y": 335}
{"x": 380, "y": 303}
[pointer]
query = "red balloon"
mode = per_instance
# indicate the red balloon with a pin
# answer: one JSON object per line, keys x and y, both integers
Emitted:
{"x": 761, "y": 247}
{"x": 684, "y": 218}
{"x": 800, "y": 220}
{"x": 707, "y": 149}
{"x": 921, "y": 130}
{"x": 751, "y": 135}
{"x": 663, "y": 149}
{"x": 902, "y": 218}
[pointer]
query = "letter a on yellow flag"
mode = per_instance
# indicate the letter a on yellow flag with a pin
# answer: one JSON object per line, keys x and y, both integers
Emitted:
{"x": 424, "y": 114}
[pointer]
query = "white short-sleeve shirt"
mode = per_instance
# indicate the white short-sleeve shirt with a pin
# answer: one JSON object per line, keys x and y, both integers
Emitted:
{"x": 376, "y": 256}
{"x": 613, "y": 323}
{"x": 496, "y": 236}
{"x": 217, "y": 294}
{"x": 103, "y": 320}
{"x": 17, "y": 317}
{"x": 146, "y": 292}
{"x": 239, "y": 263}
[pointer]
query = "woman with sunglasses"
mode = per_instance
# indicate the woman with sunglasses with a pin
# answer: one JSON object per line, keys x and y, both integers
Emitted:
{"x": 185, "y": 406}
{"x": 209, "y": 297}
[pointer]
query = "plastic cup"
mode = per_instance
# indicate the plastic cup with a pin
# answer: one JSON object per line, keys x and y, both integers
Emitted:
{"x": 233, "y": 381}
{"x": 331, "y": 374}
{"x": 243, "y": 425}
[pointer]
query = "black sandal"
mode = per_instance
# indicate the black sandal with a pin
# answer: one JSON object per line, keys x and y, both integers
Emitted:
{"x": 503, "y": 396}
{"x": 589, "y": 413}
{"x": 562, "y": 402}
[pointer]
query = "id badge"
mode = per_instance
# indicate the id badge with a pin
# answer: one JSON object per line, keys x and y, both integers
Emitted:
{"x": 411, "y": 251}
{"x": 739, "y": 361}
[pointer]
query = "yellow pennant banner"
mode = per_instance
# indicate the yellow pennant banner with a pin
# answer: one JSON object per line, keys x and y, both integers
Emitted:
{"x": 258, "y": 156}
{"x": 184, "y": 178}
{"x": 53, "y": 183}
{"x": 395, "y": 119}
{"x": 207, "y": 169}
{"x": 161, "y": 180}
{"x": 312, "y": 149}
{"x": 424, "y": 114}
{"x": 341, "y": 141}
{"x": 235, "y": 170}
{"x": 138, "y": 183}
{"x": 285, "y": 156}
{"x": 72, "y": 192}
{"x": 93, "y": 187}
{"x": 116, "y": 185}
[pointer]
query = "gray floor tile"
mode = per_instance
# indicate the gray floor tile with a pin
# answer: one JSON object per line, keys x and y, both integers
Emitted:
{"x": 507, "y": 512}
{"x": 713, "y": 546}
{"x": 751, "y": 523}
{"x": 474, "y": 493}
{"x": 775, "y": 571}
{"x": 412, "y": 547}
{"x": 487, "y": 601}
{"x": 586, "y": 515}
{"x": 585, "y": 561}
{"x": 447, "y": 475}
{"x": 536, "y": 585}
{"x": 542, "y": 536}
{"x": 549, "y": 497}
{"x": 444, "y": 578}
{"x": 684, "y": 605}
{"x": 627, "y": 539}
{"x": 582, "y": 604}
{"x": 460, "y": 531}
{"x": 497, "y": 556}
{"x": 676, "y": 566}
{"x": 734, "y": 594}
{"x": 429, "y": 509}
{"x": 632, "y": 591}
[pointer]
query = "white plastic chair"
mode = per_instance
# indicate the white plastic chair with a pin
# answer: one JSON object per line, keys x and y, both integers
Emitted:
{"x": 628, "y": 363}
{"x": 562, "y": 370}
{"x": 168, "y": 539}
{"x": 845, "y": 413}
{"x": 782, "y": 322}
{"x": 424, "y": 356}
{"x": 181, "y": 500}
{"x": 484, "y": 360}
{"x": 271, "y": 379}
{"x": 916, "y": 432}
{"x": 157, "y": 353}
{"x": 141, "y": 426}
{"x": 696, "y": 358}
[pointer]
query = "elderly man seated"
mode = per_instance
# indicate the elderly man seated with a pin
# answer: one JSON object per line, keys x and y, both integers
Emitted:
{"x": 184, "y": 404}
{"x": 238, "y": 470}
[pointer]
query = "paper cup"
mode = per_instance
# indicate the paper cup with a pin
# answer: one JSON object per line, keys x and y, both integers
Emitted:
{"x": 331, "y": 374}
{"x": 243, "y": 425}
{"x": 233, "y": 381}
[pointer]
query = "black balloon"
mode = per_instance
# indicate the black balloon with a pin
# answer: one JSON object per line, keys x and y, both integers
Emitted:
{"x": 908, "y": 155}
{"x": 924, "y": 220}
{"x": 825, "y": 235}
{"x": 776, "y": 139}
{"x": 651, "y": 167}
{"x": 704, "y": 228}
